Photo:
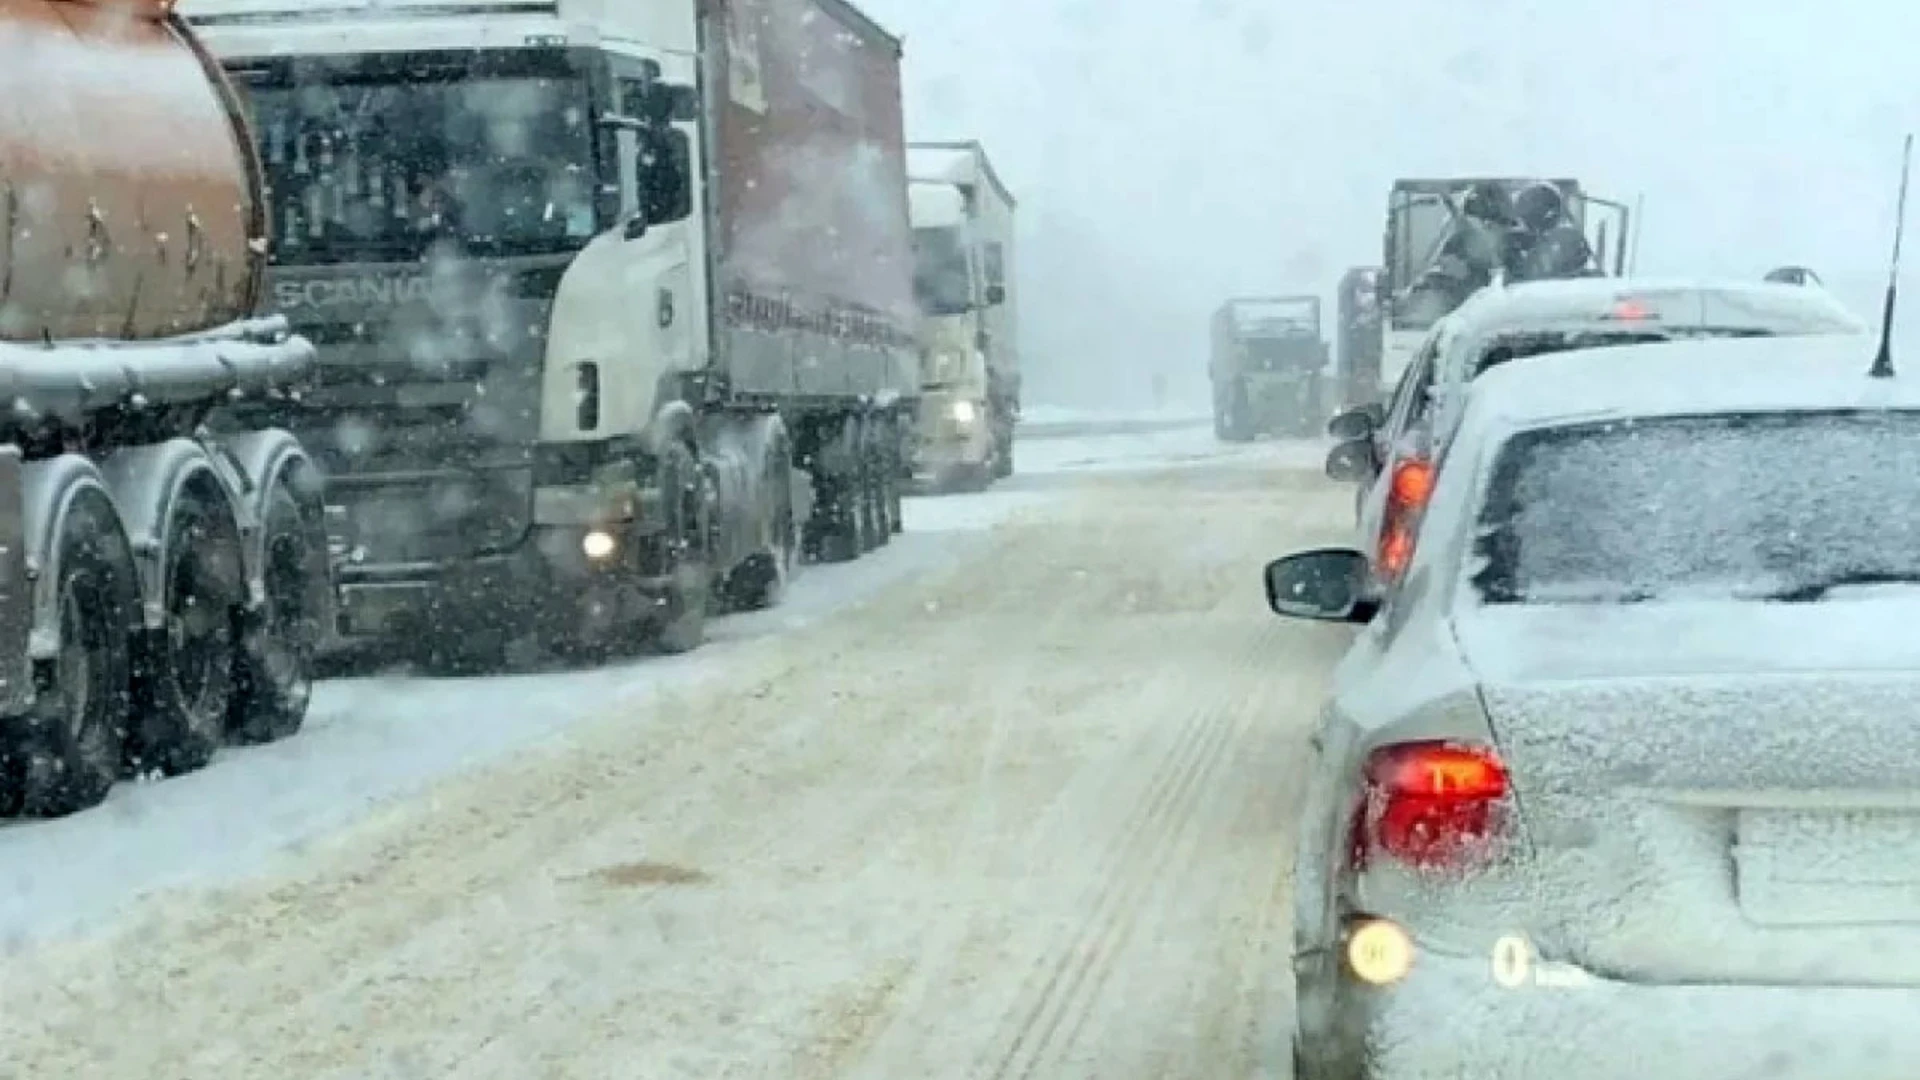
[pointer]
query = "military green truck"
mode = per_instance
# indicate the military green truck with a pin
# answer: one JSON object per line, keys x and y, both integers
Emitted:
{"x": 1268, "y": 366}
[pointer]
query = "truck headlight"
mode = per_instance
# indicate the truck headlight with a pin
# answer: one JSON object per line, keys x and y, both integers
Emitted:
{"x": 598, "y": 544}
{"x": 963, "y": 412}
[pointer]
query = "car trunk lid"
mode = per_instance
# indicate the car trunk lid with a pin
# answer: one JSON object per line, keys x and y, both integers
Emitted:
{"x": 1713, "y": 792}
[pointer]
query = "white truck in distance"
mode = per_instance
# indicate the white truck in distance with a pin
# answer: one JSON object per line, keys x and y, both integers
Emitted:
{"x": 592, "y": 282}
{"x": 963, "y": 225}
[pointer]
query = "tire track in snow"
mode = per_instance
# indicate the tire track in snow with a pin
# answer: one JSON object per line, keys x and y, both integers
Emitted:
{"x": 1127, "y": 876}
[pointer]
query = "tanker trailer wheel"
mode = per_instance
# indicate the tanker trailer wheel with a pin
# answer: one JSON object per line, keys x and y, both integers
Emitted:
{"x": 761, "y": 580}
{"x": 684, "y": 557}
{"x": 67, "y": 753}
{"x": 184, "y": 676}
{"x": 273, "y": 681}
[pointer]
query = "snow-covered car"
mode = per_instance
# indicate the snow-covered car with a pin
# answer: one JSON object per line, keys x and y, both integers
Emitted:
{"x": 1624, "y": 778}
{"x": 1393, "y": 461}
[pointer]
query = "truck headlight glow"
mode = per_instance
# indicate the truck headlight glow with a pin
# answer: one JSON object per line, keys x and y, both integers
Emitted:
{"x": 597, "y": 544}
{"x": 963, "y": 412}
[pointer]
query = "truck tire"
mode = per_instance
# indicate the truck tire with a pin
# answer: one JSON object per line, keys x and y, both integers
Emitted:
{"x": 761, "y": 580}
{"x": 683, "y": 627}
{"x": 65, "y": 756}
{"x": 838, "y": 522}
{"x": 273, "y": 682}
{"x": 1232, "y": 421}
{"x": 899, "y": 473}
{"x": 184, "y": 673}
{"x": 1003, "y": 458}
{"x": 878, "y": 481}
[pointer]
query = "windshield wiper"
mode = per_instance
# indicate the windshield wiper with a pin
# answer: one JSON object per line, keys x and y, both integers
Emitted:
{"x": 1817, "y": 588}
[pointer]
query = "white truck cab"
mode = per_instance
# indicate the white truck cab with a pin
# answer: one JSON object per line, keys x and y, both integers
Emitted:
{"x": 963, "y": 220}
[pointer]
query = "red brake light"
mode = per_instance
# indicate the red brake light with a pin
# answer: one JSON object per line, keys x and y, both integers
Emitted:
{"x": 1412, "y": 482}
{"x": 1432, "y": 805}
{"x": 1632, "y": 310}
{"x": 1407, "y": 495}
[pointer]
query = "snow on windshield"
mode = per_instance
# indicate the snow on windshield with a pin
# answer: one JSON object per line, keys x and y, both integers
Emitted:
{"x": 1736, "y": 506}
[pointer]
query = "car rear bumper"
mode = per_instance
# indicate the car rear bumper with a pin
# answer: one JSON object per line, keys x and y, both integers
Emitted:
{"x": 1450, "y": 1019}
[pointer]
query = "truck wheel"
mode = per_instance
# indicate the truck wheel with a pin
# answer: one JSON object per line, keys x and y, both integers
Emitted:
{"x": 1235, "y": 424}
{"x": 67, "y": 754}
{"x": 899, "y": 471}
{"x": 185, "y": 675}
{"x": 1003, "y": 460}
{"x": 273, "y": 682}
{"x": 881, "y": 481}
{"x": 874, "y": 529}
{"x": 684, "y": 627}
{"x": 839, "y": 518}
{"x": 761, "y": 580}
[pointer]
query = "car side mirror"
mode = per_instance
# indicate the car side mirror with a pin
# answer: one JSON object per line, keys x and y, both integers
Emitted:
{"x": 996, "y": 295}
{"x": 1357, "y": 423}
{"x": 1326, "y": 584}
{"x": 1350, "y": 462}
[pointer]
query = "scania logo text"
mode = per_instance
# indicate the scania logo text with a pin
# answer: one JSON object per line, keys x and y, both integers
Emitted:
{"x": 358, "y": 291}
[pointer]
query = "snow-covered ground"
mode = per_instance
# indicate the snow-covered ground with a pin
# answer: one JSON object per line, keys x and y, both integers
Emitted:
{"x": 370, "y": 741}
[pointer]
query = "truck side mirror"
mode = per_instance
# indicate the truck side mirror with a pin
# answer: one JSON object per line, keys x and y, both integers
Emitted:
{"x": 996, "y": 295}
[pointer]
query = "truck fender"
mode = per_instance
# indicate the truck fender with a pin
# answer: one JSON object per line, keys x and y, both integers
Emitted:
{"x": 146, "y": 482}
{"x": 673, "y": 422}
{"x": 263, "y": 458}
{"x": 48, "y": 489}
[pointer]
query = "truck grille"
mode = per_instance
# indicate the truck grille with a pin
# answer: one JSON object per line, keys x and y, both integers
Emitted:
{"x": 441, "y": 516}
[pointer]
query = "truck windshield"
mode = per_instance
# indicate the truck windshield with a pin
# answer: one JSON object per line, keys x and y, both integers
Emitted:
{"x": 1291, "y": 353}
{"x": 379, "y": 170}
{"x": 940, "y": 278}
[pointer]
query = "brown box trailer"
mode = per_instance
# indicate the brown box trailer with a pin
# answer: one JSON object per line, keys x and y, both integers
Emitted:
{"x": 812, "y": 252}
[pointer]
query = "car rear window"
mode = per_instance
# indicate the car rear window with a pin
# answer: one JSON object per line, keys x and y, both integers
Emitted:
{"x": 1730, "y": 506}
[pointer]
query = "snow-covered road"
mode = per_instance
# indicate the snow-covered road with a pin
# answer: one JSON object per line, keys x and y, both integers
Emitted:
{"x": 1014, "y": 804}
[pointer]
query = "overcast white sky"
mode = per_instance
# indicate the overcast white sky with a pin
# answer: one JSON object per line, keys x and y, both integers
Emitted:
{"x": 1170, "y": 152}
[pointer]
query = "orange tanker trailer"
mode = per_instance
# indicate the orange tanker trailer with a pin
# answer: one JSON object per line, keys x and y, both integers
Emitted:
{"x": 163, "y": 561}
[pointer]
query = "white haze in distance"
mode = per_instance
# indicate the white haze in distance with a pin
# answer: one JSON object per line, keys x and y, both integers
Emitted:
{"x": 1170, "y": 154}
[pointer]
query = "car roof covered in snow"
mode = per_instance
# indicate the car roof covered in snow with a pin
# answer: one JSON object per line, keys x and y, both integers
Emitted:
{"x": 1684, "y": 302}
{"x": 1718, "y": 375}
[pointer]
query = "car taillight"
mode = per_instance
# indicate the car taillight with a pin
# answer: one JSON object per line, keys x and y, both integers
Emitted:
{"x": 1407, "y": 493}
{"x": 1432, "y": 806}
